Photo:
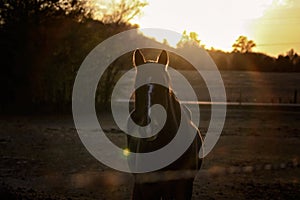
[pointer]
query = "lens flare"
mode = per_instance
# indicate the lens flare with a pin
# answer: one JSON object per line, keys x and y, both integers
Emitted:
{"x": 126, "y": 152}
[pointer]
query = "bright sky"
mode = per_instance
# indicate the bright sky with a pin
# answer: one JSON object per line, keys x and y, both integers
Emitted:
{"x": 274, "y": 25}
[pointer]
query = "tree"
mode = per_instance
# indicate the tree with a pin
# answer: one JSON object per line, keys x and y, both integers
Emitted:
{"x": 243, "y": 45}
{"x": 43, "y": 43}
{"x": 165, "y": 42}
{"x": 190, "y": 39}
{"x": 32, "y": 36}
{"x": 118, "y": 12}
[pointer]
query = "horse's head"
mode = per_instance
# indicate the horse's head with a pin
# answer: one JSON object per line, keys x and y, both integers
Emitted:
{"x": 148, "y": 93}
{"x": 151, "y": 93}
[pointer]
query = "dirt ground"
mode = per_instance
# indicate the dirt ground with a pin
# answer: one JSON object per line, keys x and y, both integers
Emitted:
{"x": 257, "y": 157}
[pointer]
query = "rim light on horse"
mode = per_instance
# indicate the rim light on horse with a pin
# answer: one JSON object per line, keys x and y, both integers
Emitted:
{"x": 170, "y": 182}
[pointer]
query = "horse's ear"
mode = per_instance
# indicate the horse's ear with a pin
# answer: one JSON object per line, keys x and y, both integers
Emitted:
{"x": 163, "y": 58}
{"x": 138, "y": 58}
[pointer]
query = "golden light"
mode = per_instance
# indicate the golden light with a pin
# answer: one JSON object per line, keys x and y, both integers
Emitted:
{"x": 279, "y": 29}
{"x": 126, "y": 152}
{"x": 270, "y": 23}
{"x": 218, "y": 22}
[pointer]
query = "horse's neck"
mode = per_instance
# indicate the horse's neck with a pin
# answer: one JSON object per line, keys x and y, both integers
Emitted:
{"x": 173, "y": 109}
{"x": 140, "y": 112}
{"x": 139, "y": 105}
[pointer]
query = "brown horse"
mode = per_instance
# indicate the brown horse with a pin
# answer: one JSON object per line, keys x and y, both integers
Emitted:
{"x": 174, "y": 181}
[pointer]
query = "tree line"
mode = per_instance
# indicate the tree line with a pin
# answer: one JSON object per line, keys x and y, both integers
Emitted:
{"x": 242, "y": 57}
{"x": 44, "y": 42}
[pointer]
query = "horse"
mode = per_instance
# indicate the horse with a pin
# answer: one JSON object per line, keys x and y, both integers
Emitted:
{"x": 175, "y": 181}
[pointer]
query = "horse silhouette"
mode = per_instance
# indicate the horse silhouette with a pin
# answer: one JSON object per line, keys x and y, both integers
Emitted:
{"x": 175, "y": 181}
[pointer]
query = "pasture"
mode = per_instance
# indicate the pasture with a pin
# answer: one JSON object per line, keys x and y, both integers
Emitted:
{"x": 256, "y": 157}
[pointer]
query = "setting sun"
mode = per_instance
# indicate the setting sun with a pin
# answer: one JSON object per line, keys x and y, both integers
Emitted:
{"x": 219, "y": 23}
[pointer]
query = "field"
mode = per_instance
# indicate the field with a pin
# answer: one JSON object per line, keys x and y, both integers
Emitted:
{"x": 257, "y": 156}
{"x": 240, "y": 86}
{"x": 250, "y": 86}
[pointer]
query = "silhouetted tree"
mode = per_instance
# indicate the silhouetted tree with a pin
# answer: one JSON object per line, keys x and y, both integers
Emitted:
{"x": 291, "y": 53}
{"x": 293, "y": 56}
{"x": 289, "y": 62}
{"x": 243, "y": 45}
{"x": 118, "y": 12}
{"x": 34, "y": 11}
{"x": 43, "y": 43}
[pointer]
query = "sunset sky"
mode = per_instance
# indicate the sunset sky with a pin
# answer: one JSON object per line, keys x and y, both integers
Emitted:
{"x": 274, "y": 25}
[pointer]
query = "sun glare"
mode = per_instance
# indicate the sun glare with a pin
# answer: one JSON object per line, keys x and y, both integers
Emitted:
{"x": 217, "y": 22}
{"x": 269, "y": 23}
{"x": 126, "y": 152}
